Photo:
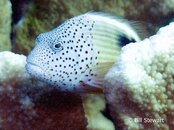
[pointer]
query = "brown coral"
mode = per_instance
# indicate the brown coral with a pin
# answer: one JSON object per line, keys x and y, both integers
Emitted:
{"x": 49, "y": 111}
{"x": 32, "y": 105}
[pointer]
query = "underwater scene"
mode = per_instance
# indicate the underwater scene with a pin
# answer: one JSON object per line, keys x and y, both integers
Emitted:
{"x": 86, "y": 65}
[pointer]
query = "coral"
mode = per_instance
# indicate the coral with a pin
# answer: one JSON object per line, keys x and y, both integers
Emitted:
{"x": 5, "y": 24}
{"x": 43, "y": 15}
{"x": 94, "y": 105}
{"x": 12, "y": 66}
{"x": 155, "y": 10}
{"x": 28, "y": 104}
{"x": 18, "y": 9}
{"x": 154, "y": 14}
{"x": 139, "y": 88}
{"x": 128, "y": 96}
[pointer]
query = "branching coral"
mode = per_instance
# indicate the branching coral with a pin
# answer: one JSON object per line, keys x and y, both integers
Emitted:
{"x": 141, "y": 83}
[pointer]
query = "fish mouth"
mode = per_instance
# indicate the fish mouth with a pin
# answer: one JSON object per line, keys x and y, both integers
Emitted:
{"x": 36, "y": 71}
{"x": 30, "y": 64}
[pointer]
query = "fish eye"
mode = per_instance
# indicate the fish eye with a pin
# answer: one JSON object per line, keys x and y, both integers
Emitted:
{"x": 57, "y": 46}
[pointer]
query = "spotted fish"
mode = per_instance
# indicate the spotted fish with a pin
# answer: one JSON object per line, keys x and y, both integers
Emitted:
{"x": 76, "y": 55}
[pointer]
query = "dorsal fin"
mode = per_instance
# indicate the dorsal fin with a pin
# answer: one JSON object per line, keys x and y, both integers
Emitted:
{"x": 137, "y": 27}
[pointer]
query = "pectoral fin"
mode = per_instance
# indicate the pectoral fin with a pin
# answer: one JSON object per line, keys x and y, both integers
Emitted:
{"x": 87, "y": 88}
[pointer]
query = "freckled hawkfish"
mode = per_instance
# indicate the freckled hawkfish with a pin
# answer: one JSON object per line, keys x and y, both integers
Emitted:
{"x": 76, "y": 55}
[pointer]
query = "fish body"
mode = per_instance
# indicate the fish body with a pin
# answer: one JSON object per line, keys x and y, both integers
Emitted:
{"x": 76, "y": 55}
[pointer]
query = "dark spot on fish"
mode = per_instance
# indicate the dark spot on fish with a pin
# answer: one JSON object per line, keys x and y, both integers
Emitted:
{"x": 89, "y": 79}
{"x": 123, "y": 40}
